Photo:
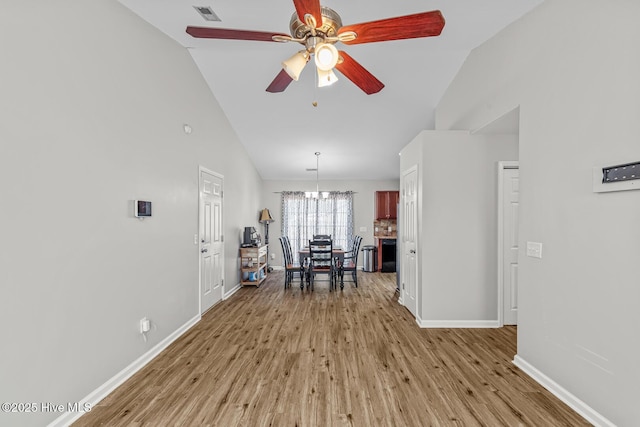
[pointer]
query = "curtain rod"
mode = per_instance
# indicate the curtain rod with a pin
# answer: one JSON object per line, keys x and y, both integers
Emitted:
{"x": 302, "y": 191}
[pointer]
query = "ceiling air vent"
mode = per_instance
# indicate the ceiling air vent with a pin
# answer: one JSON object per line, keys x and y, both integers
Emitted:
{"x": 207, "y": 13}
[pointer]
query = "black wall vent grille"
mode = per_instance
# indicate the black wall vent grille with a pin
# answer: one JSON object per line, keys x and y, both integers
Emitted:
{"x": 625, "y": 172}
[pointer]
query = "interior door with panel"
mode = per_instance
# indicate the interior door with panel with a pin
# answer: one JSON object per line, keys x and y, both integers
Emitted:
{"x": 211, "y": 240}
{"x": 409, "y": 230}
{"x": 510, "y": 207}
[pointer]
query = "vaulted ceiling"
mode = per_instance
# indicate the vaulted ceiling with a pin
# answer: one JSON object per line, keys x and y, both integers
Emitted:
{"x": 358, "y": 135}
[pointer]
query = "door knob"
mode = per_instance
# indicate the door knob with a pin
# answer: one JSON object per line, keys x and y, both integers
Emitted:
{"x": 412, "y": 251}
{"x": 204, "y": 250}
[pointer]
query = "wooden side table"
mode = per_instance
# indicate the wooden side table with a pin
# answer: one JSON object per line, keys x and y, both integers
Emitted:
{"x": 253, "y": 265}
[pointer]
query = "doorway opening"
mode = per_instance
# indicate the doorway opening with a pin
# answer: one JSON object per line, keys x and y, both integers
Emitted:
{"x": 508, "y": 210}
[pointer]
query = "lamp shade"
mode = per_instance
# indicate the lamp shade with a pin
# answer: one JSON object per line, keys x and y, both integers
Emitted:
{"x": 326, "y": 56}
{"x": 294, "y": 65}
{"x": 326, "y": 78}
{"x": 265, "y": 215}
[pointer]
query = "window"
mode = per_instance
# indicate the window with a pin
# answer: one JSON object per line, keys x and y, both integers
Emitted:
{"x": 303, "y": 217}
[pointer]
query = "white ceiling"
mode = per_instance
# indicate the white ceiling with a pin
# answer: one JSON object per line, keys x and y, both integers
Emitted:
{"x": 358, "y": 135}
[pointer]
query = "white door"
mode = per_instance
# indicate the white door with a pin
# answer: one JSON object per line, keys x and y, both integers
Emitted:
{"x": 510, "y": 206}
{"x": 211, "y": 240}
{"x": 409, "y": 230}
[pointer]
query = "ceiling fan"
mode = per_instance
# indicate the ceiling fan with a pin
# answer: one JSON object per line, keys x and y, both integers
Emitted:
{"x": 318, "y": 29}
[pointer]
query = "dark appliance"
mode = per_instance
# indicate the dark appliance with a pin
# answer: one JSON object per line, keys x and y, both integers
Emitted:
{"x": 250, "y": 237}
{"x": 388, "y": 256}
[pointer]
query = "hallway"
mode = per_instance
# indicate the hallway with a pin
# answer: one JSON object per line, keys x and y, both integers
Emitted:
{"x": 270, "y": 356}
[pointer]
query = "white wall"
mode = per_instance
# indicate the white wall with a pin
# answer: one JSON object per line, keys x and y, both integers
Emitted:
{"x": 457, "y": 224}
{"x": 363, "y": 206}
{"x": 572, "y": 67}
{"x": 92, "y": 101}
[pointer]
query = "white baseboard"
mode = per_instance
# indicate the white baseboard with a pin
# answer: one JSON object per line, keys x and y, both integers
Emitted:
{"x": 563, "y": 394}
{"x": 101, "y": 392}
{"x": 457, "y": 323}
{"x": 231, "y": 291}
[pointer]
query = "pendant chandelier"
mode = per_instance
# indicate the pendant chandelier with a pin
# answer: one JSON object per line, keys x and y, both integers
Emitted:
{"x": 317, "y": 194}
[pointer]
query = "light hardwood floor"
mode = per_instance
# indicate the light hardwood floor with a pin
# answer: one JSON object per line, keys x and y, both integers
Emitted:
{"x": 274, "y": 357}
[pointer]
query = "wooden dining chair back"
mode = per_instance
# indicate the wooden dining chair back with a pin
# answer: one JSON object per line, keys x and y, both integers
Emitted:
{"x": 325, "y": 237}
{"x": 321, "y": 262}
{"x": 296, "y": 261}
{"x": 290, "y": 267}
{"x": 350, "y": 262}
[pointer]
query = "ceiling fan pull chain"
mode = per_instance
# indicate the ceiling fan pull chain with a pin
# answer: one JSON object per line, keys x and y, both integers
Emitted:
{"x": 315, "y": 89}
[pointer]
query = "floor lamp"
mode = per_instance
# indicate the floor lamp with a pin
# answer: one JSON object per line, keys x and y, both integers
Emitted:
{"x": 265, "y": 218}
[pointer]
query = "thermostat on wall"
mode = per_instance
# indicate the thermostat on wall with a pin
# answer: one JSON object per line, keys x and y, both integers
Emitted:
{"x": 142, "y": 208}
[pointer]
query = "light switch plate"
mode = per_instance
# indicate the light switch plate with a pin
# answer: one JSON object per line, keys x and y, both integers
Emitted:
{"x": 534, "y": 249}
{"x": 363, "y": 229}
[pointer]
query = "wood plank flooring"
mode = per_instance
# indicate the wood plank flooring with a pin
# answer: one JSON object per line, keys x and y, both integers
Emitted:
{"x": 274, "y": 357}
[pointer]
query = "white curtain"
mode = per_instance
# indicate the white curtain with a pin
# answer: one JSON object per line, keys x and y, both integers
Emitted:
{"x": 303, "y": 217}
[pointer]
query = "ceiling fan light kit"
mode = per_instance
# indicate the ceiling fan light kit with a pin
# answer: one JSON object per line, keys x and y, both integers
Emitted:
{"x": 326, "y": 56}
{"x": 326, "y": 78}
{"x": 294, "y": 65}
{"x": 318, "y": 29}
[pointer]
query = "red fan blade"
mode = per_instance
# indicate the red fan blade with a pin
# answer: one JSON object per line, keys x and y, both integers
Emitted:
{"x": 280, "y": 83}
{"x": 311, "y": 7}
{"x": 229, "y": 34}
{"x": 426, "y": 24}
{"x": 358, "y": 74}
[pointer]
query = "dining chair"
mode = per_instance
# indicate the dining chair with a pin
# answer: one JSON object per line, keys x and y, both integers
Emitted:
{"x": 324, "y": 237}
{"x": 296, "y": 261}
{"x": 350, "y": 262}
{"x": 290, "y": 267}
{"x": 321, "y": 261}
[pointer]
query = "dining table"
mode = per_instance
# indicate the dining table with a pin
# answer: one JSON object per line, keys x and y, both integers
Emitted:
{"x": 335, "y": 252}
{"x": 303, "y": 254}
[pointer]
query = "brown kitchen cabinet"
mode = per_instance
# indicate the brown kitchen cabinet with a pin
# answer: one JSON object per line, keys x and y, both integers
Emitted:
{"x": 387, "y": 204}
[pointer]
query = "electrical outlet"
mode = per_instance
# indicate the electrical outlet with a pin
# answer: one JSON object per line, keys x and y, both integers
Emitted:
{"x": 363, "y": 229}
{"x": 273, "y": 256}
{"x": 534, "y": 249}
